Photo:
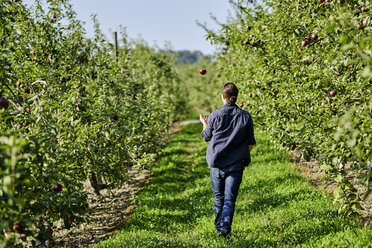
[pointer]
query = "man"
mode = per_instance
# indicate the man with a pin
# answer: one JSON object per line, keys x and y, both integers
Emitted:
{"x": 230, "y": 132}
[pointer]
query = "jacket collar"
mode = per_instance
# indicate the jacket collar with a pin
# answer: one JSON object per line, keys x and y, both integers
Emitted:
{"x": 228, "y": 105}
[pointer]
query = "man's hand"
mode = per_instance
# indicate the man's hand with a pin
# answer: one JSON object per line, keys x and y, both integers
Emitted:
{"x": 204, "y": 120}
{"x": 250, "y": 147}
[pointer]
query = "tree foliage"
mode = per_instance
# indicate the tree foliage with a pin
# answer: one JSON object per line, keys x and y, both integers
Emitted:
{"x": 69, "y": 112}
{"x": 304, "y": 70}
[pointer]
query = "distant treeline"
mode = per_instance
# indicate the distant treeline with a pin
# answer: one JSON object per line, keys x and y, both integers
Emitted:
{"x": 189, "y": 57}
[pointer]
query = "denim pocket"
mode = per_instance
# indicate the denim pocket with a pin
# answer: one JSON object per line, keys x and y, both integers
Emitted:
{"x": 215, "y": 172}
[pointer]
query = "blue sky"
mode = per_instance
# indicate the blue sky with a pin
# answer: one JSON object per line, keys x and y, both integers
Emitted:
{"x": 155, "y": 21}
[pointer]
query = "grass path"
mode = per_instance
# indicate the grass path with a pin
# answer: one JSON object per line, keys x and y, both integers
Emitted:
{"x": 276, "y": 207}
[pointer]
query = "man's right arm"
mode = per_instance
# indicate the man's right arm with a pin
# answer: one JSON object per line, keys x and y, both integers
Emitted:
{"x": 206, "y": 134}
{"x": 250, "y": 135}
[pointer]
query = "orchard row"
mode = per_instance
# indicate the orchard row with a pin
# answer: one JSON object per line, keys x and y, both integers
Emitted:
{"x": 304, "y": 70}
{"x": 69, "y": 113}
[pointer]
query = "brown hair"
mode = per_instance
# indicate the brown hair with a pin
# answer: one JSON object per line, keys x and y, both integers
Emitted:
{"x": 230, "y": 93}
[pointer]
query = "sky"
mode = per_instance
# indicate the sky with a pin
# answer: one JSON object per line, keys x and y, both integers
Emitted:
{"x": 156, "y": 21}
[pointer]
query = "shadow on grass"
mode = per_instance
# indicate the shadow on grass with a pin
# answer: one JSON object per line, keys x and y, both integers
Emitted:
{"x": 168, "y": 200}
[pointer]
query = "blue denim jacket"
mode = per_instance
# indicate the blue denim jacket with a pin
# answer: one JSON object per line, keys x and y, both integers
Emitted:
{"x": 230, "y": 131}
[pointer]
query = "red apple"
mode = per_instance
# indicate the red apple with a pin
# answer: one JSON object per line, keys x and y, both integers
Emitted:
{"x": 332, "y": 93}
{"x": 3, "y": 103}
{"x": 91, "y": 237}
{"x": 247, "y": 104}
{"x": 248, "y": 27}
{"x": 364, "y": 23}
{"x": 314, "y": 36}
{"x": 203, "y": 71}
{"x": 323, "y": 104}
{"x": 19, "y": 228}
{"x": 250, "y": 95}
{"x": 359, "y": 26}
{"x": 363, "y": 9}
{"x": 241, "y": 105}
{"x": 57, "y": 187}
{"x": 303, "y": 43}
{"x": 245, "y": 42}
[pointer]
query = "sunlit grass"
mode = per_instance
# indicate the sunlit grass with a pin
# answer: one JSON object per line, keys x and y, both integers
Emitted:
{"x": 276, "y": 207}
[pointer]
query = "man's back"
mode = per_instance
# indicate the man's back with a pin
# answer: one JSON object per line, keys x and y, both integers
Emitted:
{"x": 230, "y": 131}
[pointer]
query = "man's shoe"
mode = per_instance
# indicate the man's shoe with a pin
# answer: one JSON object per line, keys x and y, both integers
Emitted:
{"x": 223, "y": 233}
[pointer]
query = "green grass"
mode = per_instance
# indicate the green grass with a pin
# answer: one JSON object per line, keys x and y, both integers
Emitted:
{"x": 276, "y": 207}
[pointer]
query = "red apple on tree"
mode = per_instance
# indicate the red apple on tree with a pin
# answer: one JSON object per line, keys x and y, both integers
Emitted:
{"x": 332, "y": 93}
{"x": 203, "y": 71}
{"x": 19, "y": 228}
{"x": 57, "y": 187}
{"x": 3, "y": 103}
{"x": 314, "y": 36}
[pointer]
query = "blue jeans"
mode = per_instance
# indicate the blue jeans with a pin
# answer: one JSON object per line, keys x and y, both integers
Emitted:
{"x": 225, "y": 185}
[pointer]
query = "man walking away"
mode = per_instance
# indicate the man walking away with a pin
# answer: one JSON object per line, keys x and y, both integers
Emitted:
{"x": 230, "y": 132}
